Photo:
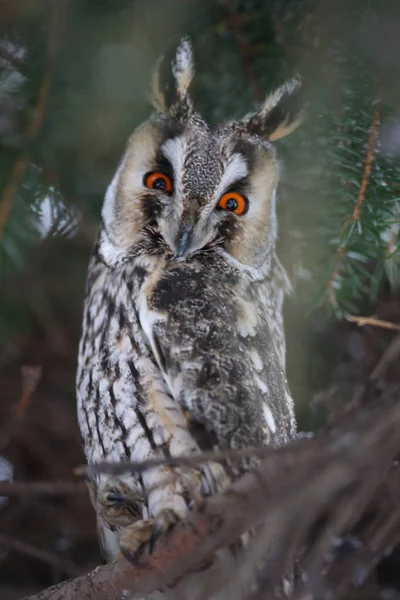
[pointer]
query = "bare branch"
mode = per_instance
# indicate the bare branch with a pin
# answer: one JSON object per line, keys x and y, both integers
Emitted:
{"x": 30, "y": 377}
{"x": 30, "y": 380}
{"x": 355, "y": 215}
{"x": 119, "y": 468}
{"x": 42, "y": 488}
{"x": 361, "y": 321}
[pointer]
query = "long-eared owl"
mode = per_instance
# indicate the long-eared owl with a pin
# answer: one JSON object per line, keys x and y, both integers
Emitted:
{"x": 182, "y": 347}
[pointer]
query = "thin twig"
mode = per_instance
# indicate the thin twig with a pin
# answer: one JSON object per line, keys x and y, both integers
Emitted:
{"x": 21, "y": 164}
{"x": 30, "y": 379}
{"x": 244, "y": 49}
{"x": 63, "y": 565}
{"x": 361, "y": 321}
{"x": 42, "y": 488}
{"x": 367, "y": 164}
{"x": 119, "y": 468}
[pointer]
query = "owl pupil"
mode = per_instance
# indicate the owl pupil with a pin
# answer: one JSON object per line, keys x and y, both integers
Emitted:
{"x": 231, "y": 204}
{"x": 159, "y": 184}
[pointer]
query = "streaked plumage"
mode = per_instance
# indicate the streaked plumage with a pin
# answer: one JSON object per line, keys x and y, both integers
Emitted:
{"x": 182, "y": 344}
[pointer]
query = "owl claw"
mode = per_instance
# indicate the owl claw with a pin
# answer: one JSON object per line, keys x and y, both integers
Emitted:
{"x": 135, "y": 538}
{"x": 118, "y": 504}
{"x": 133, "y": 559}
{"x": 162, "y": 525}
{"x": 155, "y": 534}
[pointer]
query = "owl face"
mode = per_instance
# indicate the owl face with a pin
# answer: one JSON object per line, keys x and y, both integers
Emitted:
{"x": 185, "y": 187}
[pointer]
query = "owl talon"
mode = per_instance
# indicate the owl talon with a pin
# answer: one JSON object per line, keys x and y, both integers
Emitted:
{"x": 155, "y": 534}
{"x": 136, "y": 537}
{"x": 118, "y": 504}
{"x": 133, "y": 559}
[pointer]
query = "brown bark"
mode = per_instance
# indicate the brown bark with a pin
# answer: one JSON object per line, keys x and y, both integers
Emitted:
{"x": 335, "y": 476}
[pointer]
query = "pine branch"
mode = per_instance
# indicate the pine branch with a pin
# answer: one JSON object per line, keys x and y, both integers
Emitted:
{"x": 351, "y": 220}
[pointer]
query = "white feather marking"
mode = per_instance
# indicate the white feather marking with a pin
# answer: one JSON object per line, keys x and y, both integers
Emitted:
{"x": 110, "y": 252}
{"x": 289, "y": 401}
{"x": 164, "y": 496}
{"x": 103, "y": 385}
{"x": 247, "y": 319}
{"x": 269, "y": 418}
{"x": 256, "y": 359}
{"x": 273, "y": 218}
{"x": 262, "y": 386}
{"x": 235, "y": 169}
{"x": 133, "y": 435}
{"x": 117, "y": 450}
{"x": 174, "y": 150}
{"x": 107, "y": 212}
{"x": 141, "y": 449}
{"x": 129, "y": 419}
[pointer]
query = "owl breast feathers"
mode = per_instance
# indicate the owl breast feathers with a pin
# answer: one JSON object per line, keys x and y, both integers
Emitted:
{"x": 182, "y": 347}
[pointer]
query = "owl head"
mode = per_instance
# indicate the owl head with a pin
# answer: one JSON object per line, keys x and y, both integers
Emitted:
{"x": 184, "y": 186}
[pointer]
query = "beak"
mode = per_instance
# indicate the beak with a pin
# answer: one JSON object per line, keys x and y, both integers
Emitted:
{"x": 183, "y": 240}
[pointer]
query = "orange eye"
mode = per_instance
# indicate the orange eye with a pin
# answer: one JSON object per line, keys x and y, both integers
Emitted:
{"x": 158, "y": 181}
{"x": 233, "y": 202}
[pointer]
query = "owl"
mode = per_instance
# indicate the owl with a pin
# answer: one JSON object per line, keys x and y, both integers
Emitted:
{"x": 182, "y": 347}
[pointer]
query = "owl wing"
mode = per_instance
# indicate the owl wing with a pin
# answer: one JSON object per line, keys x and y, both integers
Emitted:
{"x": 217, "y": 358}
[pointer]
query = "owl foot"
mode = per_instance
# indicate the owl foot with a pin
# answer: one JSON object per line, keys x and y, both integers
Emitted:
{"x": 135, "y": 538}
{"x": 118, "y": 504}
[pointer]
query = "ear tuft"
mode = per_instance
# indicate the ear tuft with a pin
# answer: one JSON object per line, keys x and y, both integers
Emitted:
{"x": 182, "y": 67}
{"x": 172, "y": 77}
{"x": 281, "y": 113}
{"x": 157, "y": 94}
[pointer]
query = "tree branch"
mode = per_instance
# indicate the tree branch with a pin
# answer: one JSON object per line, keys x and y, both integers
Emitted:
{"x": 119, "y": 468}
{"x": 361, "y": 321}
{"x": 289, "y": 493}
{"x": 42, "y": 488}
{"x": 355, "y": 215}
